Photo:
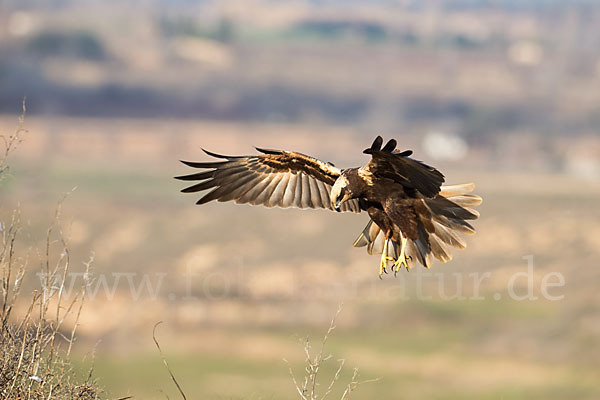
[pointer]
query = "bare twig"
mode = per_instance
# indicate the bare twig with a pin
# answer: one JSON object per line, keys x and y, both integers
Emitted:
{"x": 313, "y": 363}
{"x": 11, "y": 142}
{"x": 165, "y": 361}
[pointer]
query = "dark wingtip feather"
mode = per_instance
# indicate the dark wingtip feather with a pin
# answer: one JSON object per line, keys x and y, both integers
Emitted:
{"x": 405, "y": 153}
{"x": 210, "y": 153}
{"x": 207, "y": 198}
{"x": 377, "y": 143}
{"x": 200, "y": 186}
{"x": 196, "y": 177}
{"x": 390, "y": 146}
{"x": 194, "y": 164}
{"x": 376, "y": 146}
{"x": 268, "y": 151}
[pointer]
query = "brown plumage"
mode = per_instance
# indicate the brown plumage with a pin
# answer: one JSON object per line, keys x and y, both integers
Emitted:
{"x": 413, "y": 218}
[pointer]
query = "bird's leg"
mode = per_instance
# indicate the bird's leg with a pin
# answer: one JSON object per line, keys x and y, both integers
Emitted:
{"x": 402, "y": 259}
{"x": 384, "y": 258}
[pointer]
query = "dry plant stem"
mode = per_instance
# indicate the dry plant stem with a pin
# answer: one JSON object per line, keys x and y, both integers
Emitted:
{"x": 302, "y": 396}
{"x": 38, "y": 368}
{"x": 86, "y": 284}
{"x": 7, "y": 260}
{"x": 314, "y": 365}
{"x": 336, "y": 377}
{"x": 308, "y": 389}
{"x": 39, "y": 334}
{"x": 32, "y": 363}
{"x": 354, "y": 383}
{"x": 165, "y": 361}
{"x": 12, "y": 141}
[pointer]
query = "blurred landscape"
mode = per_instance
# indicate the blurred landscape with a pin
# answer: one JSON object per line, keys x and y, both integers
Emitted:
{"x": 505, "y": 94}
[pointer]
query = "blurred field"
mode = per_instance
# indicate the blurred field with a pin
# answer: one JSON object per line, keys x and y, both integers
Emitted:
{"x": 265, "y": 278}
{"x": 504, "y": 94}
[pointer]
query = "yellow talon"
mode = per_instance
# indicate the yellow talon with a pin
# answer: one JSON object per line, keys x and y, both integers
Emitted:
{"x": 384, "y": 259}
{"x": 402, "y": 259}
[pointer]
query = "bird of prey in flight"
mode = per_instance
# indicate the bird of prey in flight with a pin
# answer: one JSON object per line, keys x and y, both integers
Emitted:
{"x": 413, "y": 216}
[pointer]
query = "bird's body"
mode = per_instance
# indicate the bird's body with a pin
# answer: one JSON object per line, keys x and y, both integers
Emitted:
{"x": 412, "y": 216}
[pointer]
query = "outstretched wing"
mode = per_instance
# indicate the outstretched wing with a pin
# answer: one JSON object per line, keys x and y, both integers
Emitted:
{"x": 274, "y": 178}
{"x": 389, "y": 163}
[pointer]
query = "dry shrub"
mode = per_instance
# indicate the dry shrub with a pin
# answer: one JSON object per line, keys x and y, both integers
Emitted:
{"x": 35, "y": 346}
{"x": 309, "y": 387}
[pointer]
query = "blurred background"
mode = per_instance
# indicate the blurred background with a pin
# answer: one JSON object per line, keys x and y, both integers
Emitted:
{"x": 502, "y": 93}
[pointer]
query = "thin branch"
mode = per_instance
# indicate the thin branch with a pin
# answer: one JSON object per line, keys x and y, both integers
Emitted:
{"x": 300, "y": 391}
{"x": 336, "y": 377}
{"x": 12, "y": 141}
{"x": 313, "y": 363}
{"x": 165, "y": 360}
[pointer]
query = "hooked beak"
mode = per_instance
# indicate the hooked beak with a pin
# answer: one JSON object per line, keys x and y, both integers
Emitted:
{"x": 336, "y": 205}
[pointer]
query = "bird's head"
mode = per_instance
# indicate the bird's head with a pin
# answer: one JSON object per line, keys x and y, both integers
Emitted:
{"x": 340, "y": 192}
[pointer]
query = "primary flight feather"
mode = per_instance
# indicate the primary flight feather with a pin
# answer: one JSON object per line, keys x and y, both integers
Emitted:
{"x": 413, "y": 217}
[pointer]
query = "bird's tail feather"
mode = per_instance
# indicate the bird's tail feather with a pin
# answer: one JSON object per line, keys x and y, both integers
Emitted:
{"x": 450, "y": 211}
{"x": 368, "y": 238}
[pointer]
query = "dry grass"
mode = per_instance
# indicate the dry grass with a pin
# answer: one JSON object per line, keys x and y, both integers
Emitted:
{"x": 35, "y": 347}
{"x": 166, "y": 363}
{"x": 308, "y": 389}
{"x": 310, "y": 386}
{"x": 35, "y": 355}
{"x": 11, "y": 142}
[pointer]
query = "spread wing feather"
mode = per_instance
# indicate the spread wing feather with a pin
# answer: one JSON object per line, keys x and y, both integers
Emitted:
{"x": 387, "y": 162}
{"x": 273, "y": 179}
